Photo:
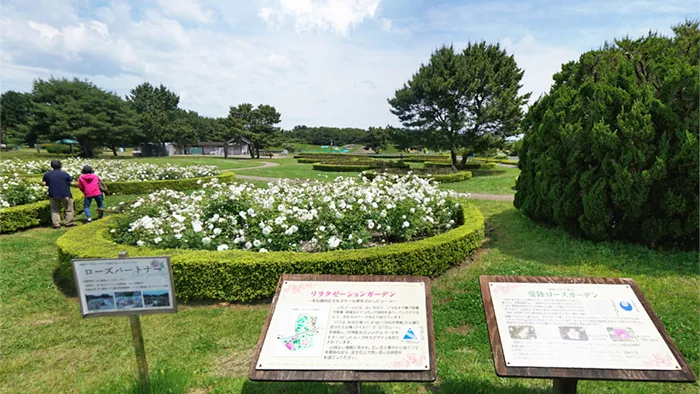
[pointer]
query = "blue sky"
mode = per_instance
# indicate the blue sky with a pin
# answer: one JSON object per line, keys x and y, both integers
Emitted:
{"x": 320, "y": 62}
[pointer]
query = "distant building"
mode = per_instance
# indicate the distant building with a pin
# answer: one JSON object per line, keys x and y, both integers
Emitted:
{"x": 238, "y": 146}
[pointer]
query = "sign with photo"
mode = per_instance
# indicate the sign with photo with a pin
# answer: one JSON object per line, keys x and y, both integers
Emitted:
{"x": 322, "y": 325}
{"x": 124, "y": 286}
{"x": 577, "y": 325}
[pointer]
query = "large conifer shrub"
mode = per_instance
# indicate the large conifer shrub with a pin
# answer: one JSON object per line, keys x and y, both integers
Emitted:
{"x": 612, "y": 151}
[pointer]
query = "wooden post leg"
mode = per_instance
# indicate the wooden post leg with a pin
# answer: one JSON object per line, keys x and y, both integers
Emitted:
{"x": 564, "y": 386}
{"x": 137, "y": 340}
{"x": 353, "y": 387}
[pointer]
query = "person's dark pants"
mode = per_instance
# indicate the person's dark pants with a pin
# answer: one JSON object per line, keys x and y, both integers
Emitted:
{"x": 88, "y": 201}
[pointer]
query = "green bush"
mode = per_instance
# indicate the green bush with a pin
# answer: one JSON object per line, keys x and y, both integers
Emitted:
{"x": 437, "y": 164}
{"x": 35, "y": 214}
{"x": 342, "y": 167}
{"x": 304, "y": 160}
{"x": 58, "y": 148}
{"x": 612, "y": 151}
{"x": 140, "y": 187}
{"x": 237, "y": 275}
{"x": 470, "y": 165}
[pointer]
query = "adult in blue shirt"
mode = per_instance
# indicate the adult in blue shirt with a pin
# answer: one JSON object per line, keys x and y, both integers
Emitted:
{"x": 59, "y": 194}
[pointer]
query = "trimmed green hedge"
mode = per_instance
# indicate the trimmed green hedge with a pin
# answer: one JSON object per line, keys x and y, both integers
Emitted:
{"x": 145, "y": 187}
{"x": 440, "y": 178}
{"x": 342, "y": 167}
{"x": 237, "y": 275}
{"x": 406, "y": 156}
{"x": 35, "y": 214}
{"x": 304, "y": 160}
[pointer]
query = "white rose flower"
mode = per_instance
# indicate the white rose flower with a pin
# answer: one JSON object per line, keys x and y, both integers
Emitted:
{"x": 196, "y": 226}
{"x": 139, "y": 243}
{"x": 263, "y": 250}
{"x": 206, "y": 240}
{"x": 217, "y": 231}
{"x": 257, "y": 243}
{"x": 248, "y": 245}
{"x": 222, "y": 247}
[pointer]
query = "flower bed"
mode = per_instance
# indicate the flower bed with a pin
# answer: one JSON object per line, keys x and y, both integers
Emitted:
{"x": 237, "y": 275}
{"x": 111, "y": 170}
{"x": 19, "y": 191}
{"x": 440, "y": 175}
{"x": 314, "y": 216}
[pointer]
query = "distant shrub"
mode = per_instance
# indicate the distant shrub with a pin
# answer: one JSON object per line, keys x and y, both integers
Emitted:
{"x": 58, "y": 148}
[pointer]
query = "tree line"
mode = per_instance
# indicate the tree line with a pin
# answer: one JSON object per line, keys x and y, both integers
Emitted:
{"x": 60, "y": 108}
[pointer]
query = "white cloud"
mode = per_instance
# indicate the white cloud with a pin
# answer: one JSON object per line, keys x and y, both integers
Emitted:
{"x": 186, "y": 9}
{"x": 47, "y": 32}
{"x": 327, "y": 15}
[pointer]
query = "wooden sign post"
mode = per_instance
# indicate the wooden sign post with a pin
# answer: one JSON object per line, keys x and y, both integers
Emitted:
{"x": 350, "y": 329}
{"x": 126, "y": 287}
{"x": 568, "y": 329}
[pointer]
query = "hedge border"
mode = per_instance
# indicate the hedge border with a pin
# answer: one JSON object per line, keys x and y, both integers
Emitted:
{"x": 440, "y": 178}
{"x": 237, "y": 275}
{"x": 38, "y": 213}
{"x": 341, "y": 167}
{"x": 145, "y": 187}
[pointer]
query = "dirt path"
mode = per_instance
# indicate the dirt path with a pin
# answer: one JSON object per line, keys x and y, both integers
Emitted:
{"x": 486, "y": 196}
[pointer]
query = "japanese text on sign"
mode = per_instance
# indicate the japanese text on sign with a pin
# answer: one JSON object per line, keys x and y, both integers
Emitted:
{"x": 320, "y": 325}
{"x": 604, "y": 325}
{"x": 124, "y": 286}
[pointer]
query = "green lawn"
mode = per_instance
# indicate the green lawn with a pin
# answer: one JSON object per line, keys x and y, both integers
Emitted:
{"x": 500, "y": 180}
{"x": 47, "y": 347}
{"x": 289, "y": 168}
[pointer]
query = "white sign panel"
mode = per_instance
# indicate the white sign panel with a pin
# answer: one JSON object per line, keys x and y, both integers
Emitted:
{"x": 320, "y": 325}
{"x": 577, "y": 326}
{"x": 124, "y": 286}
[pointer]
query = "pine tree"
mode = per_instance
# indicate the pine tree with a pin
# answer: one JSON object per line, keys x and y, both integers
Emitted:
{"x": 463, "y": 102}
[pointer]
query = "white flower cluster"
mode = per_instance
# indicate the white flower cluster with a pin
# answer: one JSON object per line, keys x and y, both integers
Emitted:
{"x": 111, "y": 170}
{"x": 348, "y": 213}
{"x": 17, "y": 191}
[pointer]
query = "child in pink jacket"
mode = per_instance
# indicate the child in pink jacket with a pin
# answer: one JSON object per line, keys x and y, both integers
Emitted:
{"x": 89, "y": 184}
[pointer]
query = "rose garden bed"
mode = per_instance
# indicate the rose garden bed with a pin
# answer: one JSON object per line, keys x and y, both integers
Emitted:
{"x": 232, "y": 242}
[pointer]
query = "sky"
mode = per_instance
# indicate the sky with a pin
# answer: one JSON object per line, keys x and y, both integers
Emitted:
{"x": 319, "y": 62}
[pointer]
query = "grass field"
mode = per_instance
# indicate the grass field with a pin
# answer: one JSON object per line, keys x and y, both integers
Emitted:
{"x": 207, "y": 348}
{"x": 500, "y": 180}
{"x": 289, "y": 168}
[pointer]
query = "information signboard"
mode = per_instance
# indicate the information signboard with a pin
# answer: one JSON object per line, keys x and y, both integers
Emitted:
{"x": 124, "y": 286}
{"x": 321, "y": 327}
{"x": 584, "y": 328}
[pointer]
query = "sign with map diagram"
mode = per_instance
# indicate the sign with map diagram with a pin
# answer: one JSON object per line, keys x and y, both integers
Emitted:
{"x": 342, "y": 323}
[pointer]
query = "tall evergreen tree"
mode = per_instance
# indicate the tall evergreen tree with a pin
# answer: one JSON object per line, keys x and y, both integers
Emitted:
{"x": 78, "y": 110}
{"x": 15, "y": 115}
{"x": 464, "y": 102}
{"x": 158, "y": 116}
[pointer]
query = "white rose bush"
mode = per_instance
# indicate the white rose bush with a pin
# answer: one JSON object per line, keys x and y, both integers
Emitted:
{"x": 17, "y": 191}
{"x": 111, "y": 170}
{"x": 349, "y": 213}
